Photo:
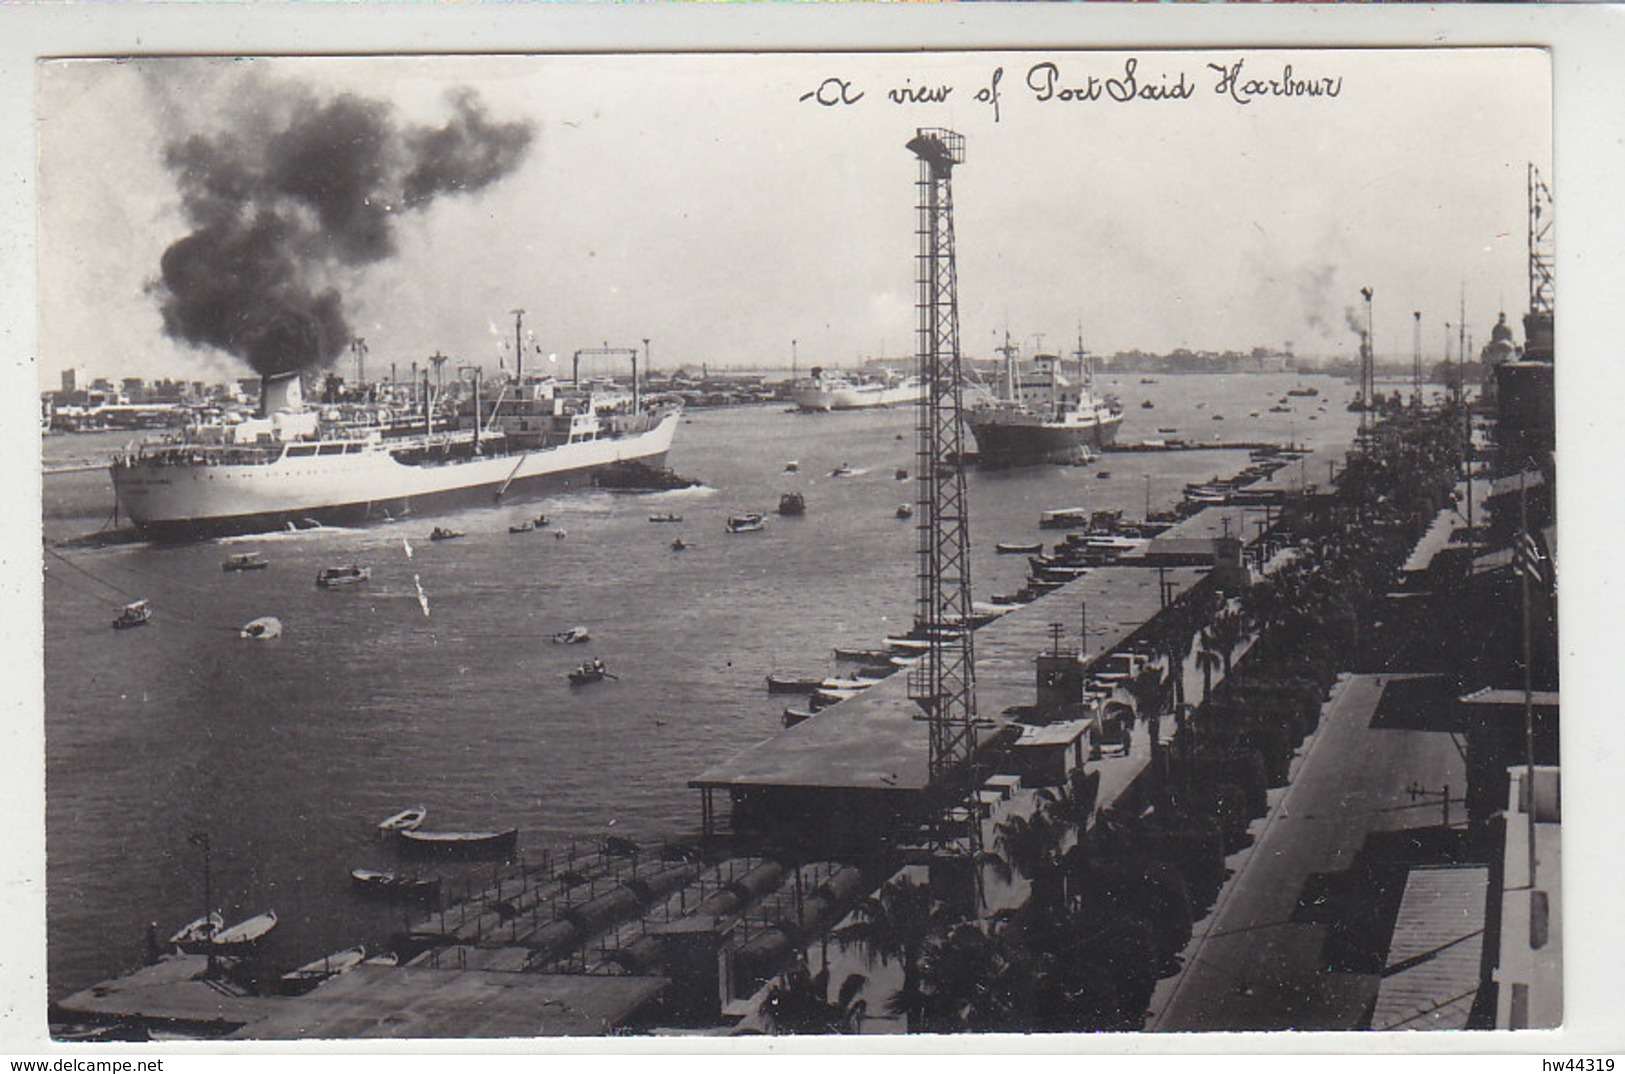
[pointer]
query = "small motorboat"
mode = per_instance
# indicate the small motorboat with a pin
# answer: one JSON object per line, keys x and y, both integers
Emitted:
{"x": 574, "y": 636}
{"x": 264, "y": 628}
{"x": 194, "y": 936}
{"x": 1147, "y": 405}
{"x": 588, "y": 672}
{"x": 792, "y": 716}
{"x": 792, "y": 467}
{"x": 441, "y": 533}
{"x": 540, "y": 521}
{"x": 668, "y": 517}
{"x": 1165, "y": 429}
{"x": 135, "y": 614}
{"x": 332, "y": 577}
{"x": 245, "y": 561}
{"x": 905, "y": 510}
{"x": 523, "y": 527}
{"x": 843, "y": 470}
{"x": 464, "y": 844}
{"x": 1218, "y": 417}
{"x": 1012, "y": 548}
{"x": 245, "y": 933}
{"x": 748, "y": 523}
{"x": 792, "y": 503}
{"x": 678, "y": 545}
{"x": 862, "y": 656}
{"x": 306, "y": 977}
{"x": 404, "y": 821}
{"x": 559, "y": 535}
{"x": 901, "y": 474}
{"x": 1103, "y": 475}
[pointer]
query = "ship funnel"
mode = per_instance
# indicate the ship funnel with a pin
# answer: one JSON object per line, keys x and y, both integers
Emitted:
{"x": 281, "y": 392}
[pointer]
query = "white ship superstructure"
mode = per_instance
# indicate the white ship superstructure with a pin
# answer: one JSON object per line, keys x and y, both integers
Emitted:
{"x": 827, "y": 390}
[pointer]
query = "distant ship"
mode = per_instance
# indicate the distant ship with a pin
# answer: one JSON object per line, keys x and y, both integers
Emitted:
{"x": 1042, "y": 417}
{"x": 292, "y": 467}
{"x": 832, "y": 391}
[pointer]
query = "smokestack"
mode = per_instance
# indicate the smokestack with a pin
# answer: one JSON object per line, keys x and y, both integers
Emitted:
{"x": 281, "y": 392}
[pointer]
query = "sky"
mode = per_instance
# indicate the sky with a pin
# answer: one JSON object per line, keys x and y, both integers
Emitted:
{"x": 716, "y": 206}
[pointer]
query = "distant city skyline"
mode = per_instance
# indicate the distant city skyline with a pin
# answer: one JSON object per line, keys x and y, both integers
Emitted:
{"x": 733, "y": 213}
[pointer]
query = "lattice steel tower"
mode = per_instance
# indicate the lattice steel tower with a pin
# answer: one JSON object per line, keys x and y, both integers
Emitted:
{"x": 1542, "y": 253}
{"x": 944, "y": 684}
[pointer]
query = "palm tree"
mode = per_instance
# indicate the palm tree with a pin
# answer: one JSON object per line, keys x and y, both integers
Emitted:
{"x": 1226, "y": 632}
{"x": 975, "y": 980}
{"x": 898, "y": 921}
{"x": 1149, "y": 691}
{"x": 1030, "y": 846}
{"x": 798, "y": 1002}
{"x": 1209, "y": 661}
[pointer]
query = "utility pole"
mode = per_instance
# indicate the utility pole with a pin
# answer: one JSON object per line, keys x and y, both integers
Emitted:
{"x": 1416, "y": 361}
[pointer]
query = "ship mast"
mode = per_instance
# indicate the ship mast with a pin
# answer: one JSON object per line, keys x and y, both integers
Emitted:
{"x": 518, "y": 350}
{"x": 1009, "y": 351}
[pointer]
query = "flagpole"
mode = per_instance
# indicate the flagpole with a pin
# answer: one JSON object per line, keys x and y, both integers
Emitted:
{"x": 1528, "y": 691}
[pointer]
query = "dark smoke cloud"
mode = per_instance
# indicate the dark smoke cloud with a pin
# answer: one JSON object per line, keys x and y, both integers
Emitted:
{"x": 280, "y": 215}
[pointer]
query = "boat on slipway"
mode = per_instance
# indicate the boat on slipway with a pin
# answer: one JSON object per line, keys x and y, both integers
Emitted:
{"x": 293, "y": 465}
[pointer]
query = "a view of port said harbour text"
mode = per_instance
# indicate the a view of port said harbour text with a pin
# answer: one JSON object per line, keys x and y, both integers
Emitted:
{"x": 753, "y": 544}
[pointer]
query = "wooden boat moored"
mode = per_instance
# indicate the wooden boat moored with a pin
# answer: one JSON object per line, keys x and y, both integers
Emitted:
{"x": 404, "y": 821}
{"x": 396, "y": 885}
{"x": 194, "y": 936}
{"x": 464, "y": 844}
{"x": 748, "y": 523}
{"x": 245, "y": 561}
{"x": 574, "y": 636}
{"x": 306, "y": 977}
{"x": 245, "y": 933}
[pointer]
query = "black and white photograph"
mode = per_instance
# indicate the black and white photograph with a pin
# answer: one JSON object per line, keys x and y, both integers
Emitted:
{"x": 769, "y": 543}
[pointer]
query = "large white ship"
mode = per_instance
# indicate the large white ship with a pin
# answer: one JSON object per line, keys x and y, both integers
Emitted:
{"x": 292, "y": 466}
{"x": 1042, "y": 417}
{"x": 832, "y": 391}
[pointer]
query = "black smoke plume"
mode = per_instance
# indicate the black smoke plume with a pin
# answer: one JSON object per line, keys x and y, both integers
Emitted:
{"x": 282, "y": 214}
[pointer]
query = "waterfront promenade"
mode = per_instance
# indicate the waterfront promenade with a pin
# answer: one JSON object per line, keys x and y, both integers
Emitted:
{"x": 1259, "y": 960}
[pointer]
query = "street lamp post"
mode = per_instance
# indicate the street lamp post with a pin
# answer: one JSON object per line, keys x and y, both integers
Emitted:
{"x": 201, "y": 840}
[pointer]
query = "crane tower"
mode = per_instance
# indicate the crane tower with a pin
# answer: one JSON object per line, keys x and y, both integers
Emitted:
{"x": 944, "y": 684}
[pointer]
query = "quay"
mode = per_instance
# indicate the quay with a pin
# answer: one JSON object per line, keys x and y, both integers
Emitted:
{"x": 856, "y": 773}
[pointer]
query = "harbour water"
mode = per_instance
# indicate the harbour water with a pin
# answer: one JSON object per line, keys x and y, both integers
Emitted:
{"x": 435, "y": 683}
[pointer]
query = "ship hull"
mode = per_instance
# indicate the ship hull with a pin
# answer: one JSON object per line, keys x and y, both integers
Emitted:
{"x": 179, "y": 503}
{"x": 1016, "y": 443}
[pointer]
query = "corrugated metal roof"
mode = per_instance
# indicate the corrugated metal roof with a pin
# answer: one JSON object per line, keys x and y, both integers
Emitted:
{"x": 1435, "y": 956}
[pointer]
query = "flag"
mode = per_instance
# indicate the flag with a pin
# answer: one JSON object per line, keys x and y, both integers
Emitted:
{"x": 1528, "y": 560}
